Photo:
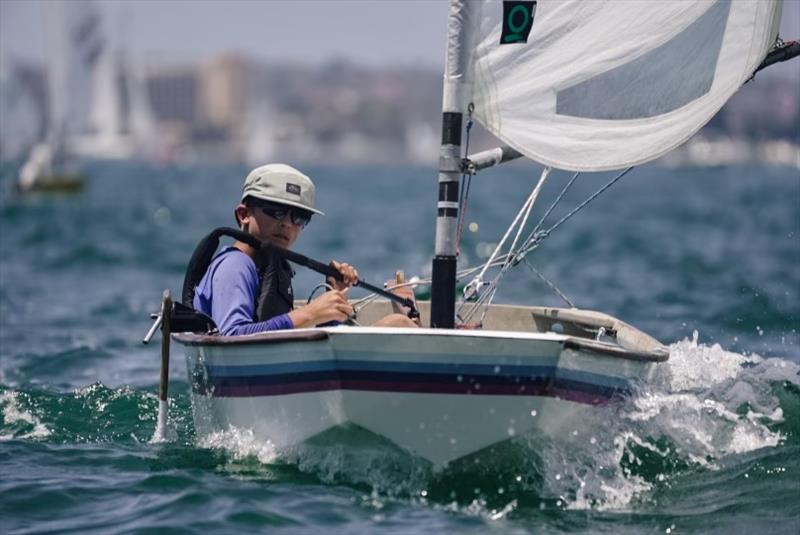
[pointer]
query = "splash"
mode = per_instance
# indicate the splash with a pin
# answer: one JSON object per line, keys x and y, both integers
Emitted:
{"x": 164, "y": 431}
{"x": 21, "y": 423}
{"x": 704, "y": 406}
{"x": 702, "y": 410}
{"x": 241, "y": 444}
{"x": 91, "y": 414}
{"x": 711, "y": 403}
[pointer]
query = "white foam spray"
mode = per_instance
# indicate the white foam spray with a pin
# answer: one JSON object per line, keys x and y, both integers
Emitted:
{"x": 703, "y": 405}
{"x": 241, "y": 444}
{"x": 15, "y": 415}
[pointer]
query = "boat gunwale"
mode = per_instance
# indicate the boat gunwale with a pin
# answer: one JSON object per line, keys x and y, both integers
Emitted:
{"x": 275, "y": 337}
{"x": 320, "y": 334}
{"x": 608, "y": 350}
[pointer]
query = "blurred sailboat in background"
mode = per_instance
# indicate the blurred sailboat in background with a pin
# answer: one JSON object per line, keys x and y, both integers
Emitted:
{"x": 74, "y": 44}
{"x": 260, "y": 141}
{"x": 121, "y": 119}
{"x": 97, "y": 103}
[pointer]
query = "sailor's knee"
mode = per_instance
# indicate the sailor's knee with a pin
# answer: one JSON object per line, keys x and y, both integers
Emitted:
{"x": 395, "y": 320}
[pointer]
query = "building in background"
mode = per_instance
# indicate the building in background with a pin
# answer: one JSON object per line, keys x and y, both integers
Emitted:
{"x": 231, "y": 108}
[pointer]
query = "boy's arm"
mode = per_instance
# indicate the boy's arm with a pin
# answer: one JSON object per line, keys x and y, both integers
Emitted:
{"x": 235, "y": 286}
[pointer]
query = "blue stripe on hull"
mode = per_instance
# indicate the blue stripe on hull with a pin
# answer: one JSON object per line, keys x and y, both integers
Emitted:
{"x": 444, "y": 378}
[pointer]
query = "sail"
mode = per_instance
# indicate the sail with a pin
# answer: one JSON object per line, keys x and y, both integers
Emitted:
{"x": 74, "y": 45}
{"x": 142, "y": 121}
{"x": 593, "y": 86}
{"x": 107, "y": 115}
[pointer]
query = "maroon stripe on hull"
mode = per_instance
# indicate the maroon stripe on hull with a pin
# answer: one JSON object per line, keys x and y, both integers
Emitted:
{"x": 247, "y": 391}
{"x": 238, "y": 391}
{"x": 585, "y": 398}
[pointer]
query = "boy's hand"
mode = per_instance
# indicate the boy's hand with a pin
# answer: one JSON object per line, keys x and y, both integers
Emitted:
{"x": 330, "y": 306}
{"x": 349, "y": 273}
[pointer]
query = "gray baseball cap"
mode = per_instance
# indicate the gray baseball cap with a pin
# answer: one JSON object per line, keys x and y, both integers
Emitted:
{"x": 280, "y": 183}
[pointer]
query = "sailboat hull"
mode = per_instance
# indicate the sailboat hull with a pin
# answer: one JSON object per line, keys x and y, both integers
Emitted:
{"x": 439, "y": 394}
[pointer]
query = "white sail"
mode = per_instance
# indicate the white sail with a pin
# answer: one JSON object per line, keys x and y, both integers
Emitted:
{"x": 260, "y": 135}
{"x": 74, "y": 46}
{"x": 107, "y": 107}
{"x": 141, "y": 119}
{"x": 592, "y": 86}
{"x": 122, "y": 121}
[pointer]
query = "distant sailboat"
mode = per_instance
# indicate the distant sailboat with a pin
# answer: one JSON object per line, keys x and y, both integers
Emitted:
{"x": 74, "y": 44}
{"x": 98, "y": 106}
{"x": 142, "y": 124}
{"x": 122, "y": 122}
{"x": 260, "y": 142}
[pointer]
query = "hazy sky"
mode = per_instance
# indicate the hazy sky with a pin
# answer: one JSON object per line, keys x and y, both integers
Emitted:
{"x": 371, "y": 32}
{"x": 312, "y": 31}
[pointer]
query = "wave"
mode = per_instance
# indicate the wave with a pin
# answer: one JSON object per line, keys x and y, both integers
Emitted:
{"x": 92, "y": 414}
{"x": 706, "y": 416}
{"x": 706, "y": 410}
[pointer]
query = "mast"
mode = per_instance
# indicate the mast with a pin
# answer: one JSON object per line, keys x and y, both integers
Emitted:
{"x": 455, "y": 94}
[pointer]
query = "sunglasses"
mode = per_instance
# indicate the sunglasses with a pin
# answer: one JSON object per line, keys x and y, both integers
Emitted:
{"x": 299, "y": 216}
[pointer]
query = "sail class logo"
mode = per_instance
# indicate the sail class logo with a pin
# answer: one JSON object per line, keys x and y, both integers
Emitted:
{"x": 517, "y": 21}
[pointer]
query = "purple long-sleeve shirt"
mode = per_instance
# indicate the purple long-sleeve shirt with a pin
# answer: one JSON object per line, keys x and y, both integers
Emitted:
{"x": 228, "y": 293}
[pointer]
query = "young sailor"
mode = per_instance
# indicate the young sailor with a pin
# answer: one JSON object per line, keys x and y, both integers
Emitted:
{"x": 246, "y": 291}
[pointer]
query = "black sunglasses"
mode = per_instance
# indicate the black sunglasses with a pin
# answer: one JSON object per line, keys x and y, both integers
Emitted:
{"x": 299, "y": 216}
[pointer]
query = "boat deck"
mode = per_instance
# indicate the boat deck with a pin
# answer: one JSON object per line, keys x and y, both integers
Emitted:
{"x": 582, "y": 330}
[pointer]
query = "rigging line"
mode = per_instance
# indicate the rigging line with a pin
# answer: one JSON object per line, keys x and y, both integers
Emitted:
{"x": 466, "y": 182}
{"x": 477, "y": 305}
{"x": 508, "y": 262}
{"x": 473, "y": 286}
{"x": 526, "y": 210}
{"x": 486, "y": 298}
{"x": 512, "y": 257}
{"x": 550, "y": 284}
{"x": 427, "y": 281}
{"x": 486, "y": 307}
{"x": 529, "y": 246}
{"x": 552, "y": 206}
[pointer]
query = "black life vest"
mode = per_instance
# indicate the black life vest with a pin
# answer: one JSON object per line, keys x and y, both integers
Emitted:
{"x": 275, "y": 295}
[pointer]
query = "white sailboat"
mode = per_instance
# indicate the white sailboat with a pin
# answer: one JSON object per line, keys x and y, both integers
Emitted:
{"x": 98, "y": 106}
{"x": 260, "y": 133}
{"x": 74, "y": 44}
{"x": 122, "y": 123}
{"x": 108, "y": 137}
{"x": 581, "y": 86}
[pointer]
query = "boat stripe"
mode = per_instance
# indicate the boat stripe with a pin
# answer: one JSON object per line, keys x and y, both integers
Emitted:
{"x": 580, "y": 396}
{"x": 434, "y": 368}
{"x": 544, "y": 383}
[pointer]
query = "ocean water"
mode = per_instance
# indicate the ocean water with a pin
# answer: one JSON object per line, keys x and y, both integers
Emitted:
{"x": 706, "y": 260}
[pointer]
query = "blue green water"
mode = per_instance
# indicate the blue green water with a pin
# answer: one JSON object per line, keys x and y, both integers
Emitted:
{"x": 706, "y": 260}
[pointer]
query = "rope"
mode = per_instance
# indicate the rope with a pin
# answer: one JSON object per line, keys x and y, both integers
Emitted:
{"x": 521, "y": 219}
{"x": 535, "y": 240}
{"x": 552, "y": 206}
{"x": 466, "y": 182}
{"x": 526, "y": 209}
{"x": 512, "y": 258}
{"x": 551, "y": 285}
